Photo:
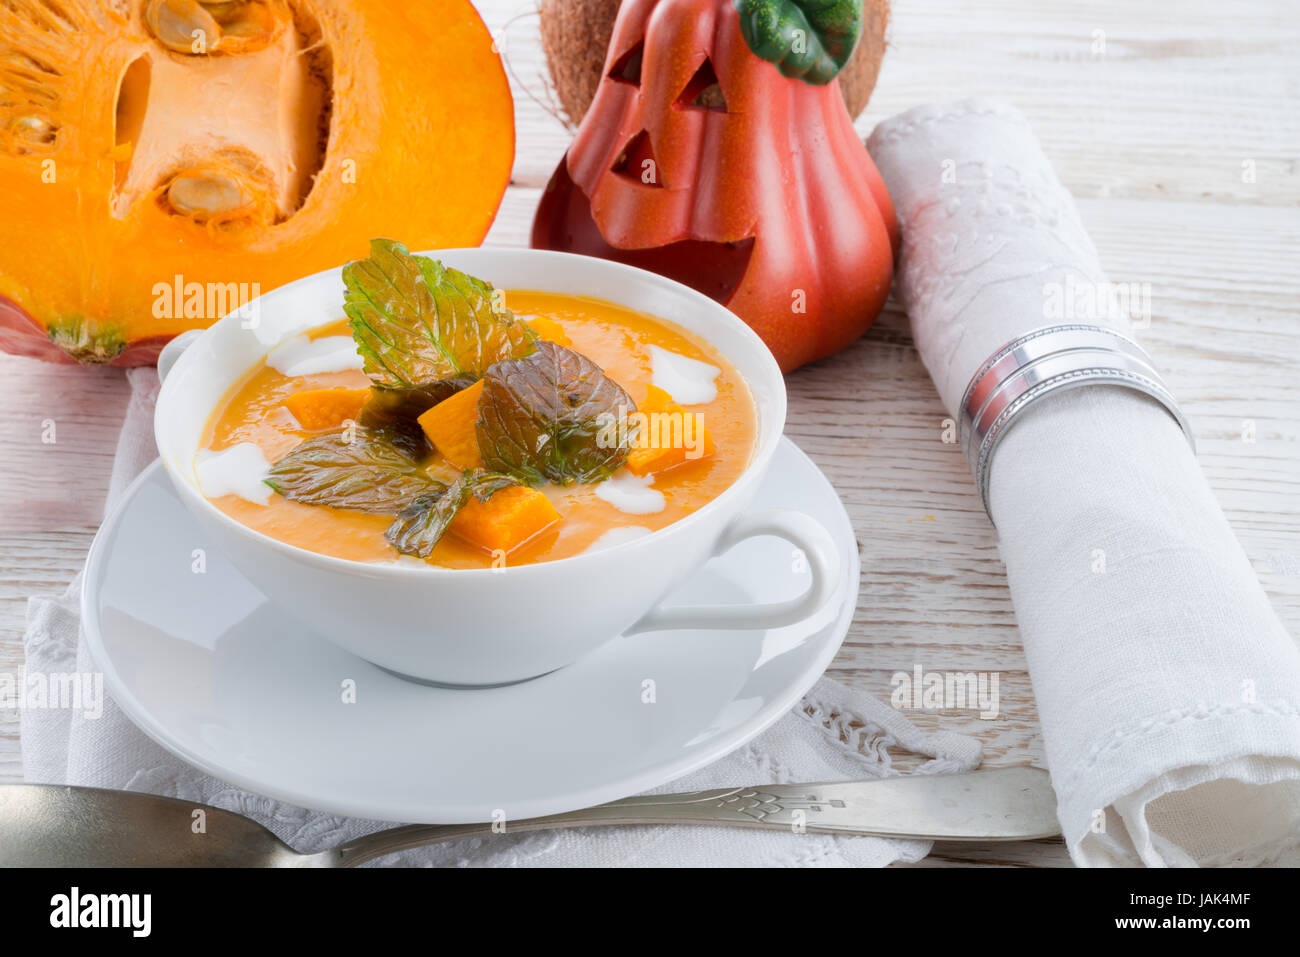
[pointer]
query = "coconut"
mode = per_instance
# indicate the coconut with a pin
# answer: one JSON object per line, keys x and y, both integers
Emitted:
{"x": 858, "y": 78}
{"x": 575, "y": 36}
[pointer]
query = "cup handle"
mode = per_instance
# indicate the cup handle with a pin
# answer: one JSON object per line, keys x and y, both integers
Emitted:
{"x": 802, "y": 531}
{"x": 172, "y": 351}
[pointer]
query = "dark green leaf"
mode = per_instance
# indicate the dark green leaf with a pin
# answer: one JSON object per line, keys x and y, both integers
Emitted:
{"x": 421, "y": 525}
{"x": 541, "y": 418}
{"x": 367, "y": 470}
{"x": 386, "y": 406}
{"x": 810, "y": 40}
{"x": 417, "y": 322}
{"x": 407, "y": 435}
{"x": 398, "y": 409}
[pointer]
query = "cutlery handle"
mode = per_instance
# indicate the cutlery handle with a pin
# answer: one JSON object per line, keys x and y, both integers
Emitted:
{"x": 1003, "y": 804}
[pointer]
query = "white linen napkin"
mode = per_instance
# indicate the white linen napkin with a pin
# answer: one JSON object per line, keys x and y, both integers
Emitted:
{"x": 835, "y": 733}
{"x": 1167, "y": 688}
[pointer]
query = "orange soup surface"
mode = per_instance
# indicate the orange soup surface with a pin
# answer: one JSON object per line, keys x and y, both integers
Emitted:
{"x": 619, "y": 340}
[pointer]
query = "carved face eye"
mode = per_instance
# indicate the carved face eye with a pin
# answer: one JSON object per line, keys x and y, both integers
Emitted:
{"x": 627, "y": 68}
{"x": 703, "y": 92}
{"x": 637, "y": 162}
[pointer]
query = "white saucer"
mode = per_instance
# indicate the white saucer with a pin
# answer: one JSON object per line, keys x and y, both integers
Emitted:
{"x": 237, "y": 688}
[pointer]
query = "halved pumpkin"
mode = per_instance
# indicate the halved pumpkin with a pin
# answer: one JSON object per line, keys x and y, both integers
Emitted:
{"x": 163, "y": 161}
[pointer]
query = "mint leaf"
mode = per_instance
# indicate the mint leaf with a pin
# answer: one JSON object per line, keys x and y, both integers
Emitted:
{"x": 387, "y": 406}
{"x": 417, "y": 322}
{"x": 367, "y": 470}
{"x": 421, "y": 525}
{"x": 539, "y": 417}
{"x": 398, "y": 409}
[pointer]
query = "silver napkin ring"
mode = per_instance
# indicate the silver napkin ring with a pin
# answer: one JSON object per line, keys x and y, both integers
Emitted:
{"x": 1048, "y": 360}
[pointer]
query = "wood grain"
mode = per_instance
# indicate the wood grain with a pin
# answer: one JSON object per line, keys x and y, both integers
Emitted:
{"x": 1176, "y": 127}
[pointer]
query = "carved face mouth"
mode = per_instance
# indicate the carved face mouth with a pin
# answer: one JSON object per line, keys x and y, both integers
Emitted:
{"x": 564, "y": 222}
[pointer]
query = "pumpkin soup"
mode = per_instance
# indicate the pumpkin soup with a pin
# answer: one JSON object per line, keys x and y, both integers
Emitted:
{"x": 448, "y": 422}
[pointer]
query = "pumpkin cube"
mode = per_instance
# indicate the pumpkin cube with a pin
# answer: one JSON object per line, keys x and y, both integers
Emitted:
{"x": 505, "y": 521}
{"x": 550, "y": 330}
{"x": 319, "y": 409}
{"x": 655, "y": 460}
{"x": 450, "y": 426}
{"x": 664, "y": 444}
{"x": 656, "y": 399}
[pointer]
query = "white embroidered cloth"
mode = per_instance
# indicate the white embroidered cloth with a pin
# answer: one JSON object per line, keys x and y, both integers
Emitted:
{"x": 836, "y": 733}
{"x": 1169, "y": 691}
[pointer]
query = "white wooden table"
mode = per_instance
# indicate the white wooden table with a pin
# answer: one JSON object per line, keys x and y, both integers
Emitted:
{"x": 1176, "y": 124}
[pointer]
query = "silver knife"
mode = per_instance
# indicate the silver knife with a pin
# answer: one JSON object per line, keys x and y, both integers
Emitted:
{"x": 58, "y": 826}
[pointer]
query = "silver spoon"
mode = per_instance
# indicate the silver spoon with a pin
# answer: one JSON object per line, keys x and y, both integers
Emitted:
{"x": 58, "y": 826}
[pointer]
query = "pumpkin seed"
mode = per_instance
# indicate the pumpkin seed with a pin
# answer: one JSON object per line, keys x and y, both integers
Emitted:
{"x": 222, "y": 10}
{"x": 33, "y": 130}
{"x": 203, "y": 194}
{"x": 175, "y": 24}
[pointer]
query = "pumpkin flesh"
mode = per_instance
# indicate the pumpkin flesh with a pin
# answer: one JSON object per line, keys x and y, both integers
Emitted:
{"x": 146, "y": 191}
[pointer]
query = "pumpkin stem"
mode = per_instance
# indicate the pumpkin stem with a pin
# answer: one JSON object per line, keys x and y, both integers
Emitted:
{"x": 87, "y": 340}
{"x": 809, "y": 40}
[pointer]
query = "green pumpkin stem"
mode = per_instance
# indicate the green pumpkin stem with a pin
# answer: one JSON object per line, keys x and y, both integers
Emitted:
{"x": 809, "y": 40}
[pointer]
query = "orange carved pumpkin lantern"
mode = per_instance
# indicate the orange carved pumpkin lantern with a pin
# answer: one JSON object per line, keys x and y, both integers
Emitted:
{"x": 718, "y": 151}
